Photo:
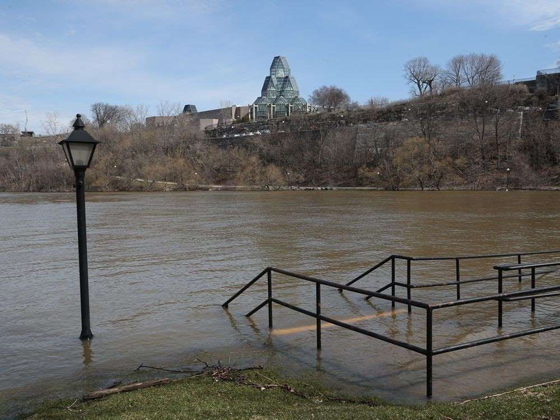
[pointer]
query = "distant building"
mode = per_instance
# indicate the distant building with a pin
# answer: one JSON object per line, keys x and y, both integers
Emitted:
{"x": 546, "y": 80}
{"x": 189, "y": 109}
{"x": 279, "y": 94}
{"x": 204, "y": 119}
{"x": 279, "y": 98}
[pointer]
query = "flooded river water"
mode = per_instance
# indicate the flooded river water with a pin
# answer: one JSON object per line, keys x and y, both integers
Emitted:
{"x": 161, "y": 265}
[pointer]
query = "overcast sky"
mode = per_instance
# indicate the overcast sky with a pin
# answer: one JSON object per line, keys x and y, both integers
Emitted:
{"x": 63, "y": 55}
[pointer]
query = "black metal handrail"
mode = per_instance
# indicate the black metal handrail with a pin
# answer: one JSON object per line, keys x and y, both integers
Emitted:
{"x": 428, "y": 351}
{"x": 509, "y": 267}
{"x": 458, "y": 281}
{"x": 235, "y": 296}
{"x": 320, "y": 317}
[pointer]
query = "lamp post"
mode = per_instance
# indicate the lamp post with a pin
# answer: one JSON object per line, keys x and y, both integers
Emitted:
{"x": 79, "y": 148}
{"x": 507, "y": 179}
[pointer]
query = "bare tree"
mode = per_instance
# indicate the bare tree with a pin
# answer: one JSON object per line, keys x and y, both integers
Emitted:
{"x": 226, "y": 114}
{"x": 477, "y": 106}
{"x": 168, "y": 109}
{"x": 453, "y": 74}
{"x": 8, "y": 134}
{"x": 330, "y": 98}
{"x": 52, "y": 126}
{"x": 136, "y": 116}
{"x": 425, "y": 112}
{"x": 377, "y": 102}
{"x": 9, "y": 129}
{"x": 353, "y": 106}
{"x": 104, "y": 113}
{"x": 421, "y": 75}
{"x": 482, "y": 70}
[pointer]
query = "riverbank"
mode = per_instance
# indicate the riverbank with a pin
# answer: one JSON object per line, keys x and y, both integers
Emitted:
{"x": 221, "y": 393}
{"x": 163, "y": 186}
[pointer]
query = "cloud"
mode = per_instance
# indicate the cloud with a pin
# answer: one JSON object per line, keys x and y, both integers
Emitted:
{"x": 102, "y": 67}
{"x": 26, "y": 54}
{"x": 538, "y": 15}
{"x": 535, "y": 15}
{"x": 159, "y": 9}
{"x": 56, "y": 76}
{"x": 554, "y": 46}
{"x": 12, "y": 109}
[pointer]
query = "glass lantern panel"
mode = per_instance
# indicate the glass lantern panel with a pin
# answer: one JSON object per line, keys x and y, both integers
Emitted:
{"x": 66, "y": 153}
{"x": 81, "y": 153}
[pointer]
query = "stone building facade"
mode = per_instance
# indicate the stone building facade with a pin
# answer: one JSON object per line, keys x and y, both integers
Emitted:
{"x": 204, "y": 119}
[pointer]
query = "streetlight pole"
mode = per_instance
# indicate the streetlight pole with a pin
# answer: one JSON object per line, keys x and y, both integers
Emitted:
{"x": 507, "y": 179}
{"x": 79, "y": 148}
{"x": 82, "y": 252}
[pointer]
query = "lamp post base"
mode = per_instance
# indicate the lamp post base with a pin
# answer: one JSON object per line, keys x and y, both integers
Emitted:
{"x": 86, "y": 335}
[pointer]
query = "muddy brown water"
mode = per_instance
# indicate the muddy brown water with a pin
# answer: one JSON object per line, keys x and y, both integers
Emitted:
{"x": 161, "y": 264}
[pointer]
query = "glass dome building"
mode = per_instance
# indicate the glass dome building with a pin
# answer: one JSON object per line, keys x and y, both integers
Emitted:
{"x": 279, "y": 94}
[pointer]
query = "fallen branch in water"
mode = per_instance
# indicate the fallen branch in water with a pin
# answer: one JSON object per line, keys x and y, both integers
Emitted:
{"x": 208, "y": 370}
{"x": 218, "y": 373}
{"x": 143, "y": 366}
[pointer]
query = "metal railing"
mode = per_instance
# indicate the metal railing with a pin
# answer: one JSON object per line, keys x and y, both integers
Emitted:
{"x": 555, "y": 70}
{"x": 457, "y": 281}
{"x": 428, "y": 351}
{"x": 514, "y": 81}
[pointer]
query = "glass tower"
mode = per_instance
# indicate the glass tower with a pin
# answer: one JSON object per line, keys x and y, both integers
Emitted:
{"x": 279, "y": 94}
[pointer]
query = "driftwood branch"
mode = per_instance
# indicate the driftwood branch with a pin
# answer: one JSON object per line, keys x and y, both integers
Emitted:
{"x": 206, "y": 365}
{"x": 208, "y": 370}
{"x": 143, "y": 366}
{"x": 125, "y": 388}
{"x": 217, "y": 373}
{"x": 69, "y": 408}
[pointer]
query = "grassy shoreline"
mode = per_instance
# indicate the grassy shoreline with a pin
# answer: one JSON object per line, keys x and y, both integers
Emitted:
{"x": 264, "y": 394}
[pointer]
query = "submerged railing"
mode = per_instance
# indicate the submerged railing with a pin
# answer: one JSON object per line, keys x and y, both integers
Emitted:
{"x": 428, "y": 351}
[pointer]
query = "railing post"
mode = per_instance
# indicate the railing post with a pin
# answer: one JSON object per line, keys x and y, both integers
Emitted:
{"x": 429, "y": 354}
{"x": 519, "y": 271}
{"x": 533, "y": 284}
{"x": 458, "y": 278}
{"x": 318, "y": 311}
{"x": 269, "y": 298}
{"x": 408, "y": 280}
{"x": 500, "y": 302}
{"x": 393, "y": 281}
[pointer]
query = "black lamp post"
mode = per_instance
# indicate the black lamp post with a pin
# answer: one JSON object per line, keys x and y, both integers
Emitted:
{"x": 507, "y": 179}
{"x": 79, "y": 148}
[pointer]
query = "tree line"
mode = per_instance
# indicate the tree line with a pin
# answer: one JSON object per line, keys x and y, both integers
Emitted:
{"x": 471, "y": 70}
{"x": 460, "y": 129}
{"x": 458, "y": 138}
